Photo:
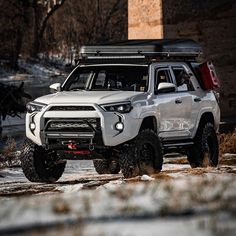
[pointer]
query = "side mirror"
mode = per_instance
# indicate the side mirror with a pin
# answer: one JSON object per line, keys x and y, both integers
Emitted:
{"x": 166, "y": 88}
{"x": 55, "y": 87}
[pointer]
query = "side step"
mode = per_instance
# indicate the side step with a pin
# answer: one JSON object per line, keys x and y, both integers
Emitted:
{"x": 180, "y": 144}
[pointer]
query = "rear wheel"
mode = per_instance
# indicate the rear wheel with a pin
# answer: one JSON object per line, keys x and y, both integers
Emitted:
{"x": 205, "y": 151}
{"x": 142, "y": 156}
{"x": 40, "y": 165}
{"x": 106, "y": 166}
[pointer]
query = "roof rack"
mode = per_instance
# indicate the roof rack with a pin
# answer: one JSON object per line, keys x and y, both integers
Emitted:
{"x": 142, "y": 50}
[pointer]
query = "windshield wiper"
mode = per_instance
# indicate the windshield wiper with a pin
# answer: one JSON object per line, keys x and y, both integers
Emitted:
{"x": 76, "y": 89}
{"x": 114, "y": 89}
{"x": 105, "y": 89}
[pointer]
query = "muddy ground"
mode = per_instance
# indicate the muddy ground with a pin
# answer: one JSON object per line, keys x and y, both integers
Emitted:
{"x": 179, "y": 200}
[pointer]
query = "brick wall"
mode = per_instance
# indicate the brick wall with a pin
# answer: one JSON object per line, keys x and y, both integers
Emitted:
{"x": 211, "y": 23}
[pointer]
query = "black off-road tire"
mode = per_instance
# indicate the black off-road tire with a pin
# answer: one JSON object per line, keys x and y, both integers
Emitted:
{"x": 106, "y": 166}
{"x": 39, "y": 165}
{"x": 205, "y": 151}
{"x": 142, "y": 156}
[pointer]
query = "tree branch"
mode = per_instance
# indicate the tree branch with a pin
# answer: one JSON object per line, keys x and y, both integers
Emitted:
{"x": 49, "y": 14}
{"x": 113, "y": 10}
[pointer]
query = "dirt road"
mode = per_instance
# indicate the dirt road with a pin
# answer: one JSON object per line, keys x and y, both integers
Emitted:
{"x": 179, "y": 200}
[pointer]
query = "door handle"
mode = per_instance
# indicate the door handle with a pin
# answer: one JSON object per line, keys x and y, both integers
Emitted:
{"x": 178, "y": 101}
{"x": 197, "y": 99}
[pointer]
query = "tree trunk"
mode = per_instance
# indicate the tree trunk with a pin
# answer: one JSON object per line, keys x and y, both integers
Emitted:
{"x": 0, "y": 126}
{"x": 39, "y": 27}
{"x": 17, "y": 49}
{"x": 36, "y": 41}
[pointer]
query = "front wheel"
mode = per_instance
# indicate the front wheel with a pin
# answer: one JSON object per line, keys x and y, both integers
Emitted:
{"x": 205, "y": 151}
{"x": 40, "y": 165}
{"x": 142, "y": 156}
{"x": 105, "y": 166}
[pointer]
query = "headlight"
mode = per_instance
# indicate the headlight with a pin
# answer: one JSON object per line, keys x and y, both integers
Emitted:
{"x": 34, "y": 107}
{"x": 123, "y": 107}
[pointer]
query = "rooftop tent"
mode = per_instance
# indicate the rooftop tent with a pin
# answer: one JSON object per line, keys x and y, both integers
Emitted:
{"x": 143, "y": 49}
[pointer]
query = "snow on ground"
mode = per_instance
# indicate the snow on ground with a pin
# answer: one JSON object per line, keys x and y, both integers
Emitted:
{"x": 31, "y": 70}
{"x": 36, "y": 77}
{"x": 13, "y": 126}
{"x": 40, "y": 70}
{"x": 192, "y": 201}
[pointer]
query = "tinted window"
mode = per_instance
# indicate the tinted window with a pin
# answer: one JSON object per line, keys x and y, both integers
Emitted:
{"x": 183, "y": 81}
{"x": 162, "y": 75}
{"x": 133, "y": 78}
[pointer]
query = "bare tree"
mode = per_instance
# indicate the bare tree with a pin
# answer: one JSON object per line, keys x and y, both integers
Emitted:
{"x": 104, "y": 21}
{"x": 85, "y": 22}
{"x": 43, "y": 11}
{"x": 14, "y": 18}
{"x": 48, "y": 27}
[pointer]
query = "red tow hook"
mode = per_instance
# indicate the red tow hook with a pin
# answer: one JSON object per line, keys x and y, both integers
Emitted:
{"x": 72, "y": 146}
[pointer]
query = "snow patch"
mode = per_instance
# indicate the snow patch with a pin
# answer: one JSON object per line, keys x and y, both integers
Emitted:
{"x": 229, "y": 155}
{"x": 112, "y": 185}
{"x": 146, "y": 178}
{"x": 69, "y": 188}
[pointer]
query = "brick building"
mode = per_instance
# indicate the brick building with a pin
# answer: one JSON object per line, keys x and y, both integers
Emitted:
{"x": 211, "y": 23}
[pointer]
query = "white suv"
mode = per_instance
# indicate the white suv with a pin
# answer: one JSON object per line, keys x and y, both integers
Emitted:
{"x": 122, "y": 115}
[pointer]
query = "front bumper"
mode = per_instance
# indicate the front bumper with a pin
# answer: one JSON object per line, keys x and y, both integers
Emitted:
{"x": 80, "y": 127}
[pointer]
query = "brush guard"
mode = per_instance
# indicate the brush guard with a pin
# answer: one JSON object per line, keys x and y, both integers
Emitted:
{"x": 71, "y": 134}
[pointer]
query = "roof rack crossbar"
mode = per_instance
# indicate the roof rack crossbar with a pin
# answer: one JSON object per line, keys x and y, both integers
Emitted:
{"x": 142, "y": 53}
{"x": 115, "y": 57}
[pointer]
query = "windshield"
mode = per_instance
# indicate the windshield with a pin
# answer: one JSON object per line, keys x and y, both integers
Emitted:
{"x": 127, "y": 78}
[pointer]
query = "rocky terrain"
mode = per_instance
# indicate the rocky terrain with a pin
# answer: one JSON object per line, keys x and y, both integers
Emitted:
{"x": 179, "y": 200}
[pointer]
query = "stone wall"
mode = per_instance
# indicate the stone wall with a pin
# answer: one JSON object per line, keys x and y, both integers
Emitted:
{"x": 211, "y": 23}
{"x": 145, "y": 19}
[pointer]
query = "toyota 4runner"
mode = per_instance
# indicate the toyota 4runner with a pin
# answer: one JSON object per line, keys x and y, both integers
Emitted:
{"x": 124, "y": 106}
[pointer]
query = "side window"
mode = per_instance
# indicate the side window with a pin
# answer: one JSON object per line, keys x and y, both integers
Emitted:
{"x": 162, "y": 75}
{"x": 183, "y": 81}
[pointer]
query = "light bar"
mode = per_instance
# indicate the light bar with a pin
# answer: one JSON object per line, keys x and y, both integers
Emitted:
{"x": 76, "y": 135}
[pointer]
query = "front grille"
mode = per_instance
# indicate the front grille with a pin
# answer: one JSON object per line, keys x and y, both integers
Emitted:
{"x": 72, "y": 108}
{"x": 73, "y": 125}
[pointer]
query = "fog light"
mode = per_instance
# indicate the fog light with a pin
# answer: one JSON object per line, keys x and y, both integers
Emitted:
{"x": 32, "y": 126}
{"x": 119, "y": 126}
